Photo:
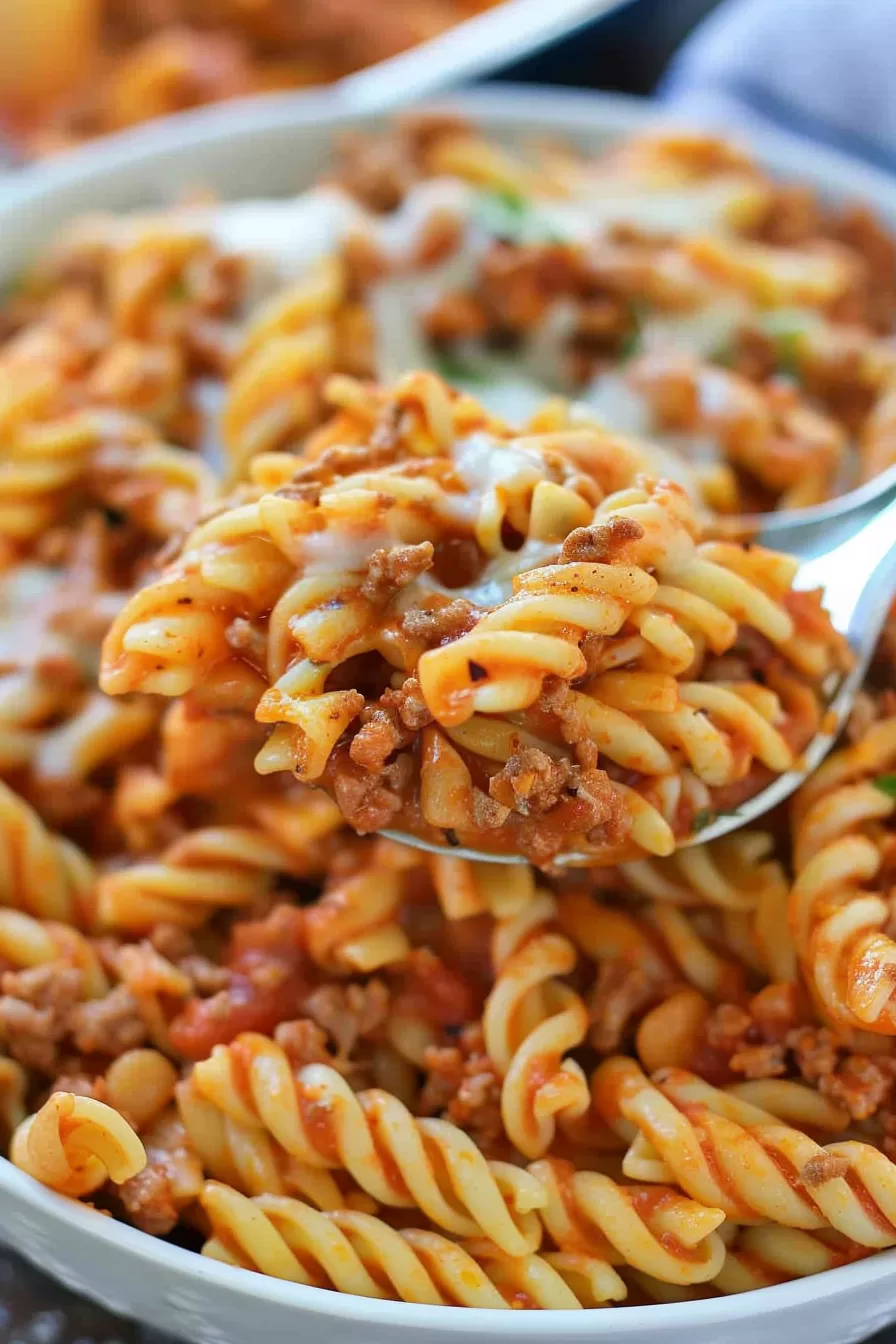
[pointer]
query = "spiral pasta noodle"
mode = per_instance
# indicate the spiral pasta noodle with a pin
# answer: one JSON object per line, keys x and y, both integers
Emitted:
{"x": 664, "y": 599}
{"x": 247, "y": 1158}
{"x": 768, "y": 1170}
{"x": 74, "y": 1144}
{"x": 764, "y": 1256}
{"x": 42, "y": 874}
{"x": 656, "y": 1230}
{"x": 25, "y": 941}
{"x": 839, "y": 919}
{"x": 530, "y": 1020}
{"x": 288, "y": 349}
{"x": 339, "y": 1249}
{"x": 316, "y": 1118}
{"x": 213, "y": 867}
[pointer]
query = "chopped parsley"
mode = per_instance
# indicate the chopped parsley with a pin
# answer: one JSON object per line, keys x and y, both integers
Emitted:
{"x": 509, "y": 216}
{"x": 455, "y": 369}
{"x": 633, "y": 340}
{"x": 886, "y": 784}
{"x": 705, "y": 816}
{"x": 177, "y": 288}
{"x": 503, "y": 214}
{"x": 787, "y": 330}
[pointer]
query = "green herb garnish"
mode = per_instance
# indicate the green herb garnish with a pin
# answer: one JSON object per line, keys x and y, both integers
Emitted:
{"x": 705, "y": 816}
{"x": 455, "y": 369}
{"x": 788, "y": 352}
{"x": 787, "y": 329}
{"x": 504, "y": 214}
{"x": 886, "y": 784}
{"x": 177, "y": 288}
{"x": 633, "y": 340}
{"x": 509, "y": 216}
{"x": 630, "y": 344}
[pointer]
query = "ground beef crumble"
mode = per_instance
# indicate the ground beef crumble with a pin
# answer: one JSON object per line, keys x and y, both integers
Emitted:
{"x": 531, "y": 782}
{"x": 348, "y": 1014}
{"x": 108, "y": 1026}
{"x": 766, "y": 1039}
{"x": 602, "y": 543}
{"x": 303, "y": 1042}
{"x": 438, "y": 625}
{"x": 463, "y": 1086}
{"x": 392, "y": 568}
{"x": 148, "y": 1200}
{"x": 35, "y": 1013}
{"x": 370, "y": 802}
{"x": 334, "y": 463}
{"x": 389, "y": 726}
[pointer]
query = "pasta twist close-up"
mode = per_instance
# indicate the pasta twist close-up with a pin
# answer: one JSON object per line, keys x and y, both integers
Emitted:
{"x": 73, "y": 1144}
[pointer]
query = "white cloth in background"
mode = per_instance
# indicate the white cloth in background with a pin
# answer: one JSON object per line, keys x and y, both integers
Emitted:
{"x": 822, "y": 69}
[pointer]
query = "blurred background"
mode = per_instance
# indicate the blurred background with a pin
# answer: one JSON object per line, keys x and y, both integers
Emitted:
{"x": 74, "y": 69}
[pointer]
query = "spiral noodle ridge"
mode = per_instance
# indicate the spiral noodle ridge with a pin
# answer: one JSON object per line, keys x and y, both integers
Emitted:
{"x": 396, "y": 1158}
{"x": 656, "y": 1230}
{"x": 839, "y": 917}
{"x": 530, "y": 1020}
{"x": 42, "y": 874}
{"x": 739, "y": 1158}
{"x": 357, "y": 1253}
{"x": 74, "y": 1144}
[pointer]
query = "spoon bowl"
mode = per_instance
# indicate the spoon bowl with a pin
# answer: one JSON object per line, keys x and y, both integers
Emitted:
{"x": 851, "y": 555}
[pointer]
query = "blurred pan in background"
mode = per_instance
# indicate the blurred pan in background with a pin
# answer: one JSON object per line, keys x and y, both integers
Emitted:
{"x": 74, "y": 69}
{"x": 71, "y": 70}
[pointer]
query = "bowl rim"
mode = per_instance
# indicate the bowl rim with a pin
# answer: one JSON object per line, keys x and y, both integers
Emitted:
{"x": 150, "y": 1253}
{"x": 510, "y": 106}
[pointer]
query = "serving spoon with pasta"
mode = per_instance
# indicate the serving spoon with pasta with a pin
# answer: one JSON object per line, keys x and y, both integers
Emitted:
{"x": 853, "y": 558}
{"x": 846, "y": 546}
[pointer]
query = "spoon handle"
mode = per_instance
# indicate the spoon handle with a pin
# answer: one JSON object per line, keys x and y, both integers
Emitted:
{"x": 859, "y": 578}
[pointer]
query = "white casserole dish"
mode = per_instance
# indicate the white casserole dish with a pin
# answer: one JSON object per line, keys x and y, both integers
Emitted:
{"x": 274, "y": 146}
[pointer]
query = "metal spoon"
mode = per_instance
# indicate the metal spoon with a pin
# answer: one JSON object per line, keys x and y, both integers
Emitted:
{"x": 858, "y": 575}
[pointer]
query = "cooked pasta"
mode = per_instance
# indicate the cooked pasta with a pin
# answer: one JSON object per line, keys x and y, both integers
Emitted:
{"x": 73, "y": 1144}
{"x": 338, "y": 1249}
{"x": 42, "y": 873}
{"x": 725, "y": 1151}
{"x": 268, "y": 589}
{"x": 396, "y": 1158}
{"x": 530, "y": 1020}
{"x": 601, "y": 646}
{"x": 69, "y": 75}
{"x": 840, "y": 917}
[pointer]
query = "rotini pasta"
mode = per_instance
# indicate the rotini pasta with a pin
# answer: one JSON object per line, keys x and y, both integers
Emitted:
{"x": 257, "y": 608}
{"x": 599, "y": 650}
{"x": 726, "y": 1151}
{"x": 432, "y": 1166}
{"x": 529, "y": 1021}
{"x": 339, "y": 1249}
{"x": 73, "y": 1144}
{"x": 839, "y": 918}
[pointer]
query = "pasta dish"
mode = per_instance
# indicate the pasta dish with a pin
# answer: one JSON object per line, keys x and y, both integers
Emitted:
{"x": 71, "y": 70}
{"x": 424, "y": 501}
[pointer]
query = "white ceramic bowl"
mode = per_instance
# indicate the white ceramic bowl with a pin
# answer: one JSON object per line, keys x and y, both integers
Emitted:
{"x": 265, "y": 148}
